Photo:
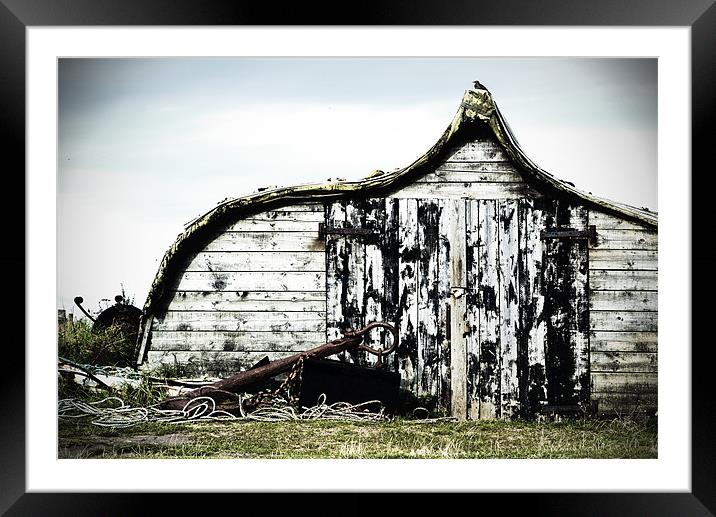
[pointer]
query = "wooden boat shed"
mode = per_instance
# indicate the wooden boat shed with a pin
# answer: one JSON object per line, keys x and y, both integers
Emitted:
{"x": 513, "y": 291}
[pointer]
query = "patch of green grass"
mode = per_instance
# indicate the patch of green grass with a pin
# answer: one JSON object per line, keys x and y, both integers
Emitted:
{"x": 108, "y": 347}
{"x": 143, "y": 395}
{"x": 399, "y": 438}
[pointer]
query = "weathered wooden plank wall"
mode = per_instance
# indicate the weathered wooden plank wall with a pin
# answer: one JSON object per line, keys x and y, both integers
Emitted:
{"x": 496, "y": 320}
{"x": 623, "y": 282}
{"x": 257, "y": 289}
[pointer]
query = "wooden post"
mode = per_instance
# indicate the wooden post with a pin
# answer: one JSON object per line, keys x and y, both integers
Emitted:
{"x": 144, "y": 339}
{"x": 456, "y": 231}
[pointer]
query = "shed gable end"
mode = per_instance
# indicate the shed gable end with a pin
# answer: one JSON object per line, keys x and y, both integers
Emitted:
{"x": 480, "y": 169}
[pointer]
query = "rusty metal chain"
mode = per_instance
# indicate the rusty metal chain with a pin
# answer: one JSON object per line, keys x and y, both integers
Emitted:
{"x": 290, "y": 385}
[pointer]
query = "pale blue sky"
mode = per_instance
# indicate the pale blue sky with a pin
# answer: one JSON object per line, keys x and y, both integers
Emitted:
{"x": 146, "y": 145}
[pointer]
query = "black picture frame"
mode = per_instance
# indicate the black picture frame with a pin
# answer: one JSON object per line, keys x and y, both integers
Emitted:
{"x": 17, "y": 15}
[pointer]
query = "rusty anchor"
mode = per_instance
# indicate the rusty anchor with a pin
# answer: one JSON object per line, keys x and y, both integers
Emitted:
{"x": 224, "y": 390}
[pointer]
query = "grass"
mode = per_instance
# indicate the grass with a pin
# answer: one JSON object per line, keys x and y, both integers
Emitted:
{"x": 399, "y": 438}
{"x": 79, "y": 343}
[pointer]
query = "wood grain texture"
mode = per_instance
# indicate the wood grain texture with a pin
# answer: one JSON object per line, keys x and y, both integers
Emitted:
{"x": 390, "y": 301}
{"x": 212, "y": 321}
{"x": 626, "y": 239}
{"x": 601, "y": 341}
{"x": 266, "y": 241}
{"x": 298, "y": 207}
{"x": 279, "y": 301}
{"x": 625, "y": 362}
{"x": 604, "y": 221}
{"x": 624, "y": 322}
{"x": 625, "y": 404}
{"x": 579, "y": 218}
{"x": 259, "y": 225}
{"x": 508, "y": 275}
{"x": 478, "y": 151}
{"x": 280, "y": 216}
{"x": 145, "y": 326}
{"x": 429, "y": 213}
{"x": 444, "y": 253}
{"x": 633, "y": 383}
{"x": 472, "y": 319}
{"x": 478, "y": 167}
{"x": 531, "y": 355}
{"x": 264, "y": 261}
{"x": 628, "y": 321}
{"x": 373, "y": 280}
{"x": 488, "y": 289}
{"x": 620, "y": 280}
{"x": 623, "y": 300}
{"x": 236, "y": 341}
{"x": 252, "y": 281}
{"x": 623, "y": 259}
{"x": 467, "y": 176}
{"x": 363, "y": 271}
{"x": 353, "y": 303}
{"x": 220, "y": 364}
{"x": 456, "y": 233}
{"x": 566, "y": 308}
{"x": 258, "y": 285}
{"x": 408, "y": 261}
{"x": 465, "y": 191}
{"x": 335, "y": 271}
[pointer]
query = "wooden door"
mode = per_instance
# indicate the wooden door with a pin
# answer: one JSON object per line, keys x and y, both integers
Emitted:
{"x": 566, "y": 312}
{"x": 361, "y": 270}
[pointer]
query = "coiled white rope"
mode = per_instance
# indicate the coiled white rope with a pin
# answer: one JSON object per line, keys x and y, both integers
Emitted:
{"x": 200, "y": 408}
{"x": 106, "y": 412}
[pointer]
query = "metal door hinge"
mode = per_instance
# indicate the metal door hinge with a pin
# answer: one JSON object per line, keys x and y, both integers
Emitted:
{"x": 570, "y": 233}
{"x": 323, "y": 231}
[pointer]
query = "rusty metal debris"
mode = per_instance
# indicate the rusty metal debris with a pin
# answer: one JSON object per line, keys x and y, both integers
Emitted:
{"x": 225, "y": 391}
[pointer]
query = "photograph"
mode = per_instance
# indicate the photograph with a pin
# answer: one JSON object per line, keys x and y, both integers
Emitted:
{"x": 357, "y": 258}
{"x": 441, "y": 249}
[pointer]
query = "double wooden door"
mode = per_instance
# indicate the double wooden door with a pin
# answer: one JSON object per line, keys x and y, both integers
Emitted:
{"x": 489, "y": 297}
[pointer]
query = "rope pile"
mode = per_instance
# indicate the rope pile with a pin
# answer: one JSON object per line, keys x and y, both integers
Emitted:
{"x": 278, "y": 405}
{"x": 112, "y": 412}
